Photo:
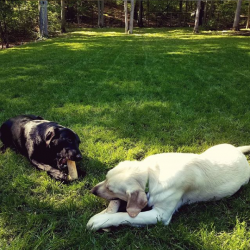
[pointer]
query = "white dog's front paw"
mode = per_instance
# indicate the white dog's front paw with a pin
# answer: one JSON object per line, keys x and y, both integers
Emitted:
{"x": 99, "y": 221}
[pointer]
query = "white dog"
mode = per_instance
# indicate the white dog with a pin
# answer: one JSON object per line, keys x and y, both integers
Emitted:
{"x": 172, "y": 179}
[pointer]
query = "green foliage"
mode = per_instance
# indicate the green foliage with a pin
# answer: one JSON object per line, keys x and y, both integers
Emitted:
{"x": 221, "y": 15}
{"x": 127, "y": 97}
{"x": 54, "y": 23}
{"x": 18, "y": 20}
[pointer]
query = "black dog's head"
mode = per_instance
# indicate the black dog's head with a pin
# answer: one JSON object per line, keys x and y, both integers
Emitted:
{"x": 64, "y": 144}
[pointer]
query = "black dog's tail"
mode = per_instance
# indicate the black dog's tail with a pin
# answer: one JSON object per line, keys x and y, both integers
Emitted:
{"x": 244, "y": 149}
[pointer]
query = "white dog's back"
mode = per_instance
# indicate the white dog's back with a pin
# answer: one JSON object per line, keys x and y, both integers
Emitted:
{"x": 218, "y": 172}
{"x": 173, "y": 180}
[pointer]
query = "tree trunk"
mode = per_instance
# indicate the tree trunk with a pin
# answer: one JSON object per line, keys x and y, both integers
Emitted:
{"x": 99, "y": 14}
{"x": 78, "y": 17}
{"x": 197, "y": 16}
{"x": 205, "y": 14}
{"x": 63, "y": 19}
{"x": 180, "y": 5}
{"x": 78, "y": 13}
{"x": 131, "y": 25}
{"x": 43, "y": 18}
{"x": 201, "y": 13}
{"x": 126, "y": 15}
{"x": 6, "y": 35}
{"x": 102, "y": 13}
{"x": 140, "y": 21}
{"x": 237, "y": 16}
{"x": 136, "y": 11}
{"x": 248, "y": 18}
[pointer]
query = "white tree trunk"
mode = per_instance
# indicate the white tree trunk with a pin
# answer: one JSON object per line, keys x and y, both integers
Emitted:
{"x": 126, "y": 15}
{"x": 131, "y": 25}
{"x": 197, "y": 16}
{"x": 237, "y": 16}
{"x": 248, "y": 18}
{"x": 43, "y": 18}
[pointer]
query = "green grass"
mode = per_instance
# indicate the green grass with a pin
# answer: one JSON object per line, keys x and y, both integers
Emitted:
{"x": 127, "y": 97}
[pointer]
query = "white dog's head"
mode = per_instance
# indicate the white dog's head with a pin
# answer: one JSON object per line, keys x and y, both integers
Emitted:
{"x": 127, "y": 181}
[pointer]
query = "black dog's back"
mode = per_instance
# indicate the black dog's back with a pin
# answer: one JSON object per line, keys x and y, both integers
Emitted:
{"x": 12, "y": 130}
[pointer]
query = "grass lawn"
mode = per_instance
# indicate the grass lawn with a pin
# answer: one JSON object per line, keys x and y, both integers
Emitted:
{"x": 127, "y": 97}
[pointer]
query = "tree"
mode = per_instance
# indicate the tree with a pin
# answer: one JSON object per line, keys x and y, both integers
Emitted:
{"x": 100, "y": 13}
{"x": 237, "y": 16}
{"x": 205, "y": 13}
{"x": 248, "y": 17}
{"x": 131, "y": 25}
{"x": 126, "y": 15}
{"x": 43, "y": 18}
{"x": 197, "y": 16}
{"x": 63, "y": 19}
{"x": 140, "y": 21}
{"x": 131, "y": 21}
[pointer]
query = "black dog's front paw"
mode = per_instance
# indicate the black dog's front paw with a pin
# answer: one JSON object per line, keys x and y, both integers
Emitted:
{"x": 59, "y": 175}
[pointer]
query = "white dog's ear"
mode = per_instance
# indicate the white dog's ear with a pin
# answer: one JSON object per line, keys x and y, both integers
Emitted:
{"x": 137, "y": 200}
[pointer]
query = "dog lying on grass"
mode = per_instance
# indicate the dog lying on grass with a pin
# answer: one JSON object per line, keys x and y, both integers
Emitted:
{"x": 46, "y": 144}
{"x": 172, "y": 179}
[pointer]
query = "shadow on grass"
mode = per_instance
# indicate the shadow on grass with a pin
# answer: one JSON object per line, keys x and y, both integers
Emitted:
{"x": 68, "y": 73}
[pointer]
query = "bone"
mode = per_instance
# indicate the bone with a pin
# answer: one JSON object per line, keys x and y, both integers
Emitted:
{"x": 112, "y": 209}
{"x": 73, "y": 175}
{"x": 113, "y": 206}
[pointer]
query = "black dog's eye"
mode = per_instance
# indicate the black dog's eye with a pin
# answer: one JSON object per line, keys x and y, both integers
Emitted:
{"x": 69, "y": 140}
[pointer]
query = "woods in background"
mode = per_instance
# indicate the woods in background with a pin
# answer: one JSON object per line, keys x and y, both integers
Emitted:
{"x": 20, "y": 21}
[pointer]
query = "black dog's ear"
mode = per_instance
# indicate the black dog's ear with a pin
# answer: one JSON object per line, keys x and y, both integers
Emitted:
{"x": 50, "y": 133}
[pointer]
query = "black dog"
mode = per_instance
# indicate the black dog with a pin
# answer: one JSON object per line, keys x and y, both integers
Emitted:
{"x": 45, "y": 143}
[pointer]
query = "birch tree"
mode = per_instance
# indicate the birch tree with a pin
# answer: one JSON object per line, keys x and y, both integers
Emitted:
{"x": 248, "y": 17}
{"x": 197, "y": 16}
{"x": 43, "y": 18}
{"x": 237, "y": 16}
{"x": 126, "y": 15}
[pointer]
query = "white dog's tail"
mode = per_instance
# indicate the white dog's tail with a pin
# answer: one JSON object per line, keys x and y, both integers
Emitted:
{"x": 244, "y": 149}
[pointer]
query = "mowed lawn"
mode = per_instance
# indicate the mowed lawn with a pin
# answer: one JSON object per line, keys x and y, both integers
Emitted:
{"x": 127, "y": 97}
